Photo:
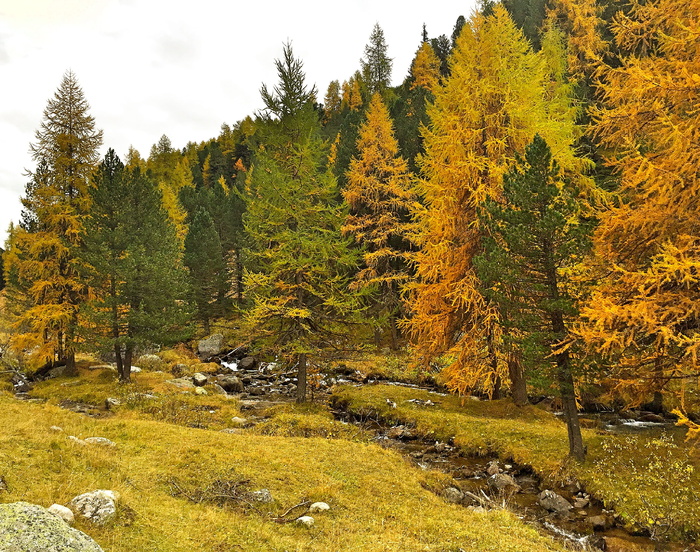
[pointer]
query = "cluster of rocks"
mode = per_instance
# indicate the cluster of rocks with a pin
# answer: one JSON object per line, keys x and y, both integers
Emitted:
{"x": 32, "y": 528}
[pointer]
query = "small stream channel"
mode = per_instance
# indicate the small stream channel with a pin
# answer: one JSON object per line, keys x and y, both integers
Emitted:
{"x": 586, "y": 527}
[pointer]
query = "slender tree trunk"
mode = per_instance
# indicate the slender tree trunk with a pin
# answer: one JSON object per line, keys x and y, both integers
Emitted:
{"x": 239, "y": 278}
{"x": 377, "y": 337}
{"x": 565, "y": 376}
{"x": 657, "y": 403}
{"x": 493, "y": 360}
{"x": 394, "y": 332}
{"x": 518, "y": 383}
{"x": 301, "y": 378}
{"x": 207, "y": 325}
{"x": 125, "y": 374}
{"x": 118, "y": 359}
{"x": 568, "y": 399}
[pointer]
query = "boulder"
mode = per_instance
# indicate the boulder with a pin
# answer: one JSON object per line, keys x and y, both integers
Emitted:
{"x": 199, "y": 379}
{"x": 549, "y": 500}
{"x": 319, "y": 507}
{"x": 453, "y": 495}
{"x": 600, "y": 522}
{"x": 56, "y": 429}
{"x": 217, "y": 389}
{"x": 238, "y": 422}
{"x": 97, "y": 506}
{"x": 503, "y": 484}
{"x": 111, "y": 402}
{"x": 20, "y": 384}
{"x": 102, "y": 441}
{"x": 64, "y": 513}
{"x": 200, "y": 391}
{"x": 492, "y": 468}
{"x": 27, "y": 527}
{"x": 210, "y": 346}
{"x": 263, "y": 495}
{"x": 230, "y": 384}
{"x": 77, "y": 440}
{"x": 306, "y": 521}
{"x": 183, "y": 383}
{"x": 247, "y": 363}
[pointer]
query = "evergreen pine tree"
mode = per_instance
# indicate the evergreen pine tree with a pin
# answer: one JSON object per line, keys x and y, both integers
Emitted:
{"x": 204, "y": 259}
{"x": 376, "y": 64}
{"x": 131, "y": 259}
{"x": 534, "y": 237}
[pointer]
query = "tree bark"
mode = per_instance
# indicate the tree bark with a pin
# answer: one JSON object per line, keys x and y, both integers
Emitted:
{"x": 568, "y": 399}
{"x": 518, "y": 383}
{"x": 301, "y": 378}
{"x": 125, "y": 374}
{"x": 394, "y": 333}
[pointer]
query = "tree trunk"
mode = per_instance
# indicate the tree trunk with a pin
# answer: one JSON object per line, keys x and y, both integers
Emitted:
{"x": 394, "y": 333}
{"x": 239, "y": 278}
{"x": 118, "y": 359}
{"x": 657, "y": 403}
{"x": 568, "y": 399}
{"x": 518, "y": 383}
{"x": 566, "y": 379}
{"x": 71, "y": 368}
{"x": 301, "y": 378}
{"x": 125, "y": 374}
{"x": 493, "y": 360}
{"x": 377, "y": 337}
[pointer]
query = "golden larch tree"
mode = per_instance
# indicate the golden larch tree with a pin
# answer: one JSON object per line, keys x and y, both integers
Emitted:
{"x": 425, "y": 68}
{"x": 379, "y": 195}
{"x": 490, "y": 107}
{"x": 41, "y": 261}
{"x": 645, "y": 313}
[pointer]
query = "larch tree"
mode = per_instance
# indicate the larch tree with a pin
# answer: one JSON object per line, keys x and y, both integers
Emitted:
{"x": 130, "y": 256}
{"x": 298, "y": 286}
{"x": 644, "y": 314}
{"x": 43, "y": 260}
{"x": 376, "y": 64}
{"x": 535, "y": 237}
{"x": 425, "y": 68}
{"x": 379, "y": 195}
{"x": 490, "y": 107}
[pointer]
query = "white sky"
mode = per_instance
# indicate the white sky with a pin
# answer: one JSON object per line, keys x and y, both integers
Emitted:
{"x": 154, "y": 67}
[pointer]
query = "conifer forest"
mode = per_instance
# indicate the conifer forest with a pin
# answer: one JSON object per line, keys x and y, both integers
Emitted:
{"x": 498, "y": 256}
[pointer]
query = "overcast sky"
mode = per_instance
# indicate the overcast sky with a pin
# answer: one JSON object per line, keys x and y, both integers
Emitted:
{"x": 154, "y": 67}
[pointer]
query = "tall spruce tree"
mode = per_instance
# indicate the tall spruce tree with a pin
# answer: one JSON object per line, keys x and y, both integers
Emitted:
{"x": 376, "y": 64}
{"x": 299, "y": 286}
{"x": 44, "y": 247}
{"x": 131, "y": 259}
{"x": 534, "y": 237}
{"x": 204, "y": 259}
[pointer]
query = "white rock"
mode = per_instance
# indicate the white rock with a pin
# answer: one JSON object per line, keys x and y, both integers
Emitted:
{"x": 238, "y": 422}
{"x": 319, "y": 507}
{"x": 98, "y": 506}
{"x": 200, "y": 391}
{"x": 76, "y": 440}
{"x": 307, "y": 521}
{"x": 102, "y": 441}
{"x": 56, "y": 429}
{"x": 64, "y": 513}
{"x": 135, "y": 370}
{"x": 199, "y": 379}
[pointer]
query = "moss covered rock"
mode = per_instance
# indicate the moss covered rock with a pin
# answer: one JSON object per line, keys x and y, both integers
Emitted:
{"x": 27, "y": 527}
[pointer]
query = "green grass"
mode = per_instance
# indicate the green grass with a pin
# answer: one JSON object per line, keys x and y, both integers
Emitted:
{"x": 652, "y": 483}
{"x": 378, "y": 499}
